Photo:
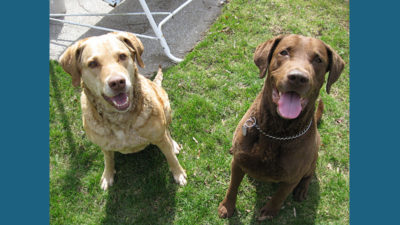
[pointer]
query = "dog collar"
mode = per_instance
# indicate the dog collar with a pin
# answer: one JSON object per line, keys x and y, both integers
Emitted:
{"x": 251, "y": 122}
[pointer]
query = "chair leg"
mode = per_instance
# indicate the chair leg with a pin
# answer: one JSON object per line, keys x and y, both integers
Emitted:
{"x": 158, "y": 32}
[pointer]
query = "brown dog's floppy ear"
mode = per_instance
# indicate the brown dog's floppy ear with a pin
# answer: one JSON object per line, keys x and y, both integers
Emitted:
{"x": 263, "y": 54}
{"x": 69, "y": 62}
{"x": 134, "y": 45}
{"x": 335, "y": 67}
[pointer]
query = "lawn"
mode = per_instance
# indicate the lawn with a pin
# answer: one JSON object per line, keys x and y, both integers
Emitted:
{"x": 209, "y": 92}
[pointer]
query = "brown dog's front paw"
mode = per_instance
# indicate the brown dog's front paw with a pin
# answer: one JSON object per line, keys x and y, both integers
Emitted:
{"x": 267, "y": 213}
{"x": 225, "y": 210}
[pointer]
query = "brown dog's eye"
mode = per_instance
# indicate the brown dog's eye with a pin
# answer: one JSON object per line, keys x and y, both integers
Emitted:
{"x": 93, "y": 64}
{"x": 284, "y": 52}
{"x": 122, "y": 57}
{"x": 317, "y": 59}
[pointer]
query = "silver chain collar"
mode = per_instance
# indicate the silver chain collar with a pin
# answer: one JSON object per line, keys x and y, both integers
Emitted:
{"x": 253, "y": 123}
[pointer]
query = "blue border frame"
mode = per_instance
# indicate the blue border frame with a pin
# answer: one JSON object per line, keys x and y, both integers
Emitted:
{"x": 24, "y": 115}
{"x": 374, "y": 114}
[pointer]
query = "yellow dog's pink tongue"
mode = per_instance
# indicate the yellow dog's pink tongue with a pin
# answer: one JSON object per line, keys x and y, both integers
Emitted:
{"x": 289, "y": 105}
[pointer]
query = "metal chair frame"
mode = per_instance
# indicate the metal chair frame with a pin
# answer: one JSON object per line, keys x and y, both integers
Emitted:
{"x": 156, "y": 28}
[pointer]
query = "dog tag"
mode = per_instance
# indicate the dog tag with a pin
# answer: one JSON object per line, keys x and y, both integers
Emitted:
{"x": 244, "y": 130}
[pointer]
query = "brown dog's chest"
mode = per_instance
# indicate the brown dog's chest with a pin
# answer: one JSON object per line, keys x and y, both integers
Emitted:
{"x": 276, "y": 161}
{"x": 262, "y": 162}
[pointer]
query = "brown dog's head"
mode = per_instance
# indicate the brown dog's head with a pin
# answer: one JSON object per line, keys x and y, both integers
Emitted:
{"x": 106, "y": 65}
{"x": 296, "y": 68}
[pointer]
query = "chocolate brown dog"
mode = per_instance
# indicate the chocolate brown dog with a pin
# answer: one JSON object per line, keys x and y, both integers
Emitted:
{"x": 277, "y": 139}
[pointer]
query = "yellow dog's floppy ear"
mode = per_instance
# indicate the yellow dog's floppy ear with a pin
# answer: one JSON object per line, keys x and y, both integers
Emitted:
{"x": 69, "y": 61}
{"x": 263, "y": 54}
{"x": 335, "y": 67}
{"x": 134, "y": 45}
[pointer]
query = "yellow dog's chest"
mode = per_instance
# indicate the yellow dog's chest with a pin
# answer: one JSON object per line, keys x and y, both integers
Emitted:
{"x": 124, "y": 141}
{"x": 110, "y": 137}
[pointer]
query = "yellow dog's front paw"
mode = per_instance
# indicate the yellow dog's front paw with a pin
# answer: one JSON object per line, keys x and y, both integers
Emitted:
{"x": 107, "y": 180}
{"x": 180, "y": 178}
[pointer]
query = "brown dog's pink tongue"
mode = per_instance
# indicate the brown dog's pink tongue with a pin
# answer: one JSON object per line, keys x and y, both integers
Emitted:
{"x": 289, "y": 105}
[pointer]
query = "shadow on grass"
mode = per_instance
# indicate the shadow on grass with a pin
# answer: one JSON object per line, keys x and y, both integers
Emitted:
{"x": 144, "y": 190}
{"x": 235, "y": 219}
{"x": 74, "y": 148}
{"x": 306, "y": 211}
{"x": 293, "y": 212}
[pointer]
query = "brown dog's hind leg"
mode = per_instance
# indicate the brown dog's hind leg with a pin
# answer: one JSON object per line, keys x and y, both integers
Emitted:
{"x": 301, "y": 190}
{"x": 320, "y": 110}
{"x": 273, "y": 206}
{"x": 227, "y": 206}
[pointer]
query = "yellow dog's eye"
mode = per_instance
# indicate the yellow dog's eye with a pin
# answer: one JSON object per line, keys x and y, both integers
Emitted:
{"x": 284, "y": 52}
{"x": 93, "y": 64}
{"x": 122, "y": 57}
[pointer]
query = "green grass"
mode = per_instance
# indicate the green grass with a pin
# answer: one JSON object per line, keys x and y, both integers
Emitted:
{"x": 209, "y": 93}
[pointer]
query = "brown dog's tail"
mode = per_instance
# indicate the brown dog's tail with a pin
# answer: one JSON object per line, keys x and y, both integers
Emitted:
{"x": 159, "y": 77}
{"x": 320, "y": 110}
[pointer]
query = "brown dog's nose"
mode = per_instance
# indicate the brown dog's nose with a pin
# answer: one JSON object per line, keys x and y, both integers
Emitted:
{"x": 117, "y": 83}
{"x": 298, "y": 78}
